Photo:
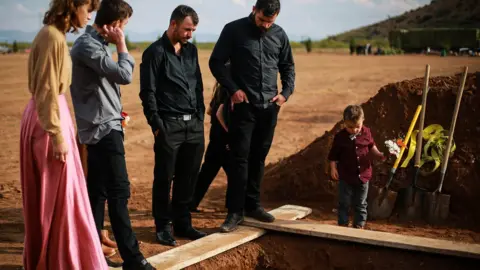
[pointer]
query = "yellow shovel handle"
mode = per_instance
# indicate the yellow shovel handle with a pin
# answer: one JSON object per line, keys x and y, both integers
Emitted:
{"x": 407, "y": 138}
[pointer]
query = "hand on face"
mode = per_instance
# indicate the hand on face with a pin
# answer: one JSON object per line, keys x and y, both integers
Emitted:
{"x": 114, "y": 35}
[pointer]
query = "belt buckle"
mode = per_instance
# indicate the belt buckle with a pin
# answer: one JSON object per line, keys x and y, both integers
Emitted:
{"x": 187, "y": 117}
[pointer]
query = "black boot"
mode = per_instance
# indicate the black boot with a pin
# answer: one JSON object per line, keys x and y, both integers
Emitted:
{"x": 194, "y": 209}
{"x": 261, "y": 215}
{"x": 142, "y": 265}
{"x": 189, "y": 233}
{"x": 165, "y": 237}
{"x": 231, "y": 222}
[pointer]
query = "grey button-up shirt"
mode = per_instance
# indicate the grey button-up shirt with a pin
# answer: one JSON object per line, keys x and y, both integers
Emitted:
{"x": 95, "y": 86}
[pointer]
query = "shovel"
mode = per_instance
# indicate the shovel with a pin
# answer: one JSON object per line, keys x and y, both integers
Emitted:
{"x": 412, "y": 197}
{"x": 383, "y": 201}
{"x": 437, "y": 205}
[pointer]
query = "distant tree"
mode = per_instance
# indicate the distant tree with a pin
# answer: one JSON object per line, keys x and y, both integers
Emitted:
{"x": 194, "y": 41}
{"x": 332, "y": 38}
{"x": 352, "y": 46}
{"x": 128, "y": 43}
{"x": 308, "y": 44}
{"x": 398, "y": 45}
{"x": 15, "y": 46}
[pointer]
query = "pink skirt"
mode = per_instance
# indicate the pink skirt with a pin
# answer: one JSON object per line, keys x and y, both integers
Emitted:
{"x": 60, "y": 232}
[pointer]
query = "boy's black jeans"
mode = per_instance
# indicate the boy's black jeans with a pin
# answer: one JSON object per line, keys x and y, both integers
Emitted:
{"x": 107, "y": 180}
{"x": 352, "y": 195}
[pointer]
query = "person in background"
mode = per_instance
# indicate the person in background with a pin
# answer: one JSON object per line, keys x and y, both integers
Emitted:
{"x": 216, "y": 155}
{"x": 60, "y": 230}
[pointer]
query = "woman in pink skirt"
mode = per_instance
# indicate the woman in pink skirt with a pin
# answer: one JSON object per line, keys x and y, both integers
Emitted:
{"x": 59, "y": 229}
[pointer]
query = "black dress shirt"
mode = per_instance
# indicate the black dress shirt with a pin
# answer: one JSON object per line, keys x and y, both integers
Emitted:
{"x": 256, "y": 58}
{"x": 170, "y": 84}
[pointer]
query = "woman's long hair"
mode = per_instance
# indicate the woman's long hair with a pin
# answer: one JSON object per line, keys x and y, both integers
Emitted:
{"x": 62, "y": 13}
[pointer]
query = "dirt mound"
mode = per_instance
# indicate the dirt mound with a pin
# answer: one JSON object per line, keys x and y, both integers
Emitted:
{"x": 304, "y": 176}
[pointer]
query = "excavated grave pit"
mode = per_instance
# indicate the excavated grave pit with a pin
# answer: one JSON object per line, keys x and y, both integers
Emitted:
{"x": 287, "y": 251}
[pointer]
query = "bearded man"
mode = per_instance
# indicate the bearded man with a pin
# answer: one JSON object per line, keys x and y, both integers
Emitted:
{"x": 258, "y": 50}
{"x": 172, "y": 99}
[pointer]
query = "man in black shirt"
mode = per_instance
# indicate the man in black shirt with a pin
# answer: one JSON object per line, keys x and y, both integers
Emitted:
{"x": 172, "y": 98}
{"x": 258, "y": 50}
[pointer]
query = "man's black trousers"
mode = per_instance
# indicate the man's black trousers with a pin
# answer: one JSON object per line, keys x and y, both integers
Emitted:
{"x": 179, "y": 148}
{"x": 251, "y": 133}
{"x": 107, "y": 180}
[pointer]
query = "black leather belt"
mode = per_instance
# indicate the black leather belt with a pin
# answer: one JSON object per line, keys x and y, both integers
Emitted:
{"x": 182, "y": 117}
{"x": 263, "y": 105}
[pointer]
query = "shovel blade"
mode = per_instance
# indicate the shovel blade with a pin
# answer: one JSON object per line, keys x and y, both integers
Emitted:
{"x": 412, "y": 204}
{"x": 437, "y": 207}
{"x": 381, "y": 204}
{"x": 409, "y": 197}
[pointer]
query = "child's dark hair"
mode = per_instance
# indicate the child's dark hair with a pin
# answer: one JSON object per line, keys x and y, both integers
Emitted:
{"x": 353, "y": 113}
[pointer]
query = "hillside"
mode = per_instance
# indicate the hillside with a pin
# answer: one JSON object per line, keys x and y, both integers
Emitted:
{"x": 439, "y": 13}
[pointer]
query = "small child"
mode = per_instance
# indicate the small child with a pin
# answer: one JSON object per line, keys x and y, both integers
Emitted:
{"x": 351, "y": 162}
{"x": 216, "y": 155}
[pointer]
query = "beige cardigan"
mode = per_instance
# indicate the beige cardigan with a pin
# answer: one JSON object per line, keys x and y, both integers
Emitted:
{"x": 49, "y": 74}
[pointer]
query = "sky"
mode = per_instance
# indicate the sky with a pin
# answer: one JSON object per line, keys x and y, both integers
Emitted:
{"x": 300, "y": 18}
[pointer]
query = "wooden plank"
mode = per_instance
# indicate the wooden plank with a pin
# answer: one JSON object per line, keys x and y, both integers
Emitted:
{"x": 376, "y": 238}
{"x": 214, "y": 244}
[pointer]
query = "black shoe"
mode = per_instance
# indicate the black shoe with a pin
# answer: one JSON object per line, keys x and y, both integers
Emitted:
{"x": 190, "y": 233}
{"x": 231, "y": 222}
{"x": 165, "y": 237}
{"x": 261, "y": 215}
{"x": 194, "y": 210}
{"x": 113, "y": 264}
{"x": 142, "y": 265}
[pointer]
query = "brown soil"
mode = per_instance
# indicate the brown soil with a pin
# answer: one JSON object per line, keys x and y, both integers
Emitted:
{"x": 285, "y": 251}
{"x": 304, "y": 176}
{"x": 325, "y": 84}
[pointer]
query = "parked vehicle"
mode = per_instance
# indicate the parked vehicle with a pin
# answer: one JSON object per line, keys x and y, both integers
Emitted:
{"x": 5, "y": 49}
